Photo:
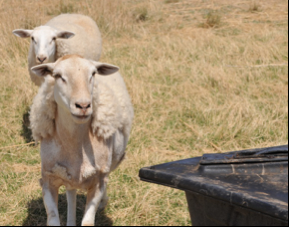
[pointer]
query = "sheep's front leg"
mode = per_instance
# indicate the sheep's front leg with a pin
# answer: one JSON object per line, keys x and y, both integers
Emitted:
{"x": 50, "y": 198}
{"x": 93, "y": 199}
{"x": 103, "y": 202}
{"x": 71, "y": 207}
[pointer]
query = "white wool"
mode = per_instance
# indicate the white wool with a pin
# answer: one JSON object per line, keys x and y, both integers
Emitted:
{"x": 87, "y": 41}
{"x": 43, "y": 109}
{"x": 106, "y": 111}
{"x": 112, "y": 109}
{"x": 114, "y": 106}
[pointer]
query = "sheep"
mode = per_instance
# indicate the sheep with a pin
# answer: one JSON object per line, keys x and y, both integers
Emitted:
{"x": 82, "y": 115}
{"x": 52, "y": 41}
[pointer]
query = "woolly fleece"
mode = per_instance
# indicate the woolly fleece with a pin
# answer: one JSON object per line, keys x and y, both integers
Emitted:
{"x": 112, "y": 108}
{"x": 86, "y": 42}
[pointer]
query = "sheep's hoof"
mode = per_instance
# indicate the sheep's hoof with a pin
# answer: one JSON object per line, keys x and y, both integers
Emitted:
{"x": 103, "y": 203}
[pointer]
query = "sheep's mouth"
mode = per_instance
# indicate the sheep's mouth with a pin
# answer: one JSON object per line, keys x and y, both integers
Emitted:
{"x": 82, "y": 117}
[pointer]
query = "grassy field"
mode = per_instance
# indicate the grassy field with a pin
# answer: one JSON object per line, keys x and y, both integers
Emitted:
{"x": 204, "y": 76}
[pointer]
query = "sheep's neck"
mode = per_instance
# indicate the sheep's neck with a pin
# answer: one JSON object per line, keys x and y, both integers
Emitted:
{"x": 76, "y": 150}
{"x": 65, "y": 126}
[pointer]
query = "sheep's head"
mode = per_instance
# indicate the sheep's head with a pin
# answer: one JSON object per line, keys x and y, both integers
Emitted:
{"x": 43, "y": 39}
{"x": 74, "y": 82}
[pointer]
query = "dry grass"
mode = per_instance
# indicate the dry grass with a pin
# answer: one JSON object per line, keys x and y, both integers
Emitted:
{"x": 194, "y": 89}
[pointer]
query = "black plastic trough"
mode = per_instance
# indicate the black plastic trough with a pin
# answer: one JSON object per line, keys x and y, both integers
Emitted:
{"x": 248, "y": 187}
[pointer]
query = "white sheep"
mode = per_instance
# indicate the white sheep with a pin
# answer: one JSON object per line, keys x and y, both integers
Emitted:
{"x": 82, "y": 115}
{"x": 51, "y": 41}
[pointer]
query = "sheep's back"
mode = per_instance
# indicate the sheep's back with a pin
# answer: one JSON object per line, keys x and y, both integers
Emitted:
{"x": 87, "y": 40}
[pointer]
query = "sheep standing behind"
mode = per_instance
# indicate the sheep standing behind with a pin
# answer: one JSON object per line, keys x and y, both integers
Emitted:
{"x": 83, "y": 115}
{"x": 52, "y": 41}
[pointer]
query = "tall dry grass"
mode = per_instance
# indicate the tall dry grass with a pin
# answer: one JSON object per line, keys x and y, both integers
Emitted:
{"x": 204, "y": 76}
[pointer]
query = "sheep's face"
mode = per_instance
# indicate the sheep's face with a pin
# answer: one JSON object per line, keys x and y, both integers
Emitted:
{"x": 43, "y": 41}
{"x": 74, "y": 87}
{"x": 74, "y": 83}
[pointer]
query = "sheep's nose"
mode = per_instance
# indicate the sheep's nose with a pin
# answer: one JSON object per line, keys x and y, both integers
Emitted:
{"x": 82, "y": 106}
{"x": 41, "y": 59}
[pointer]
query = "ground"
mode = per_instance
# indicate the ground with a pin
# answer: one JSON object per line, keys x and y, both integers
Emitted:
{"x": 204, "y": 77}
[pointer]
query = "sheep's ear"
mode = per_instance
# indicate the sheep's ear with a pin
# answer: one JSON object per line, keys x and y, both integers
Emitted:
{"x": 22, "y": 33}
{"x": 43, "y": 70}
{"x": 65, "y": 35}
{"x": 105, "y": 69}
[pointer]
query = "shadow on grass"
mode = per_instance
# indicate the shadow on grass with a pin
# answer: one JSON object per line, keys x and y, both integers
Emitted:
{"x": 26, "y": 131}
{"x": 37, "y": 214}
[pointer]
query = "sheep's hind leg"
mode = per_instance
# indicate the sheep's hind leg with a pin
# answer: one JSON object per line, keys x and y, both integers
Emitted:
{"x": 93, "y": 199}
{"x": 71, "y": 207}
{"x": 50, "y": 198}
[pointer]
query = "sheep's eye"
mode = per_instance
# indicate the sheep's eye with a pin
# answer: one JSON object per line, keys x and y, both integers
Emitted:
{"x": 59, "y": 76}
{"x": 92, "y": 76}
{"x": 53, "y": 40}
{"x": 33, "y": 40}
{"x": 63, "y": 80}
